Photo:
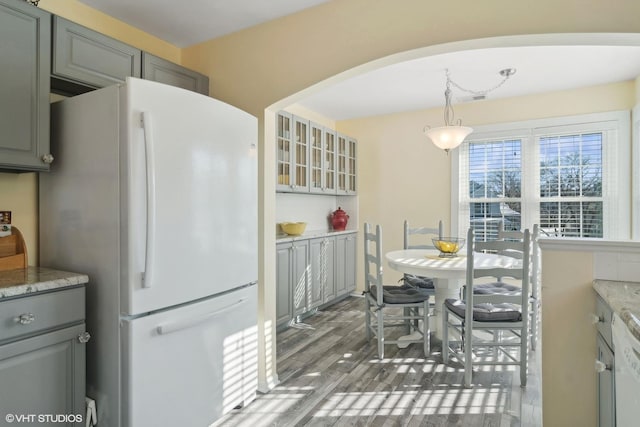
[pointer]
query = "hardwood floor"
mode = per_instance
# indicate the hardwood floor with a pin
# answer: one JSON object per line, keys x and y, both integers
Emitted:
{"x": 330, "y": 376}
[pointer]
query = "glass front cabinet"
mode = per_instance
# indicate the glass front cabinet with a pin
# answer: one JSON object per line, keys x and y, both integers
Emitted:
{"x": 346, "y": 165}
{"x": 312, "y": 158}
{"x": 323, "y": 164}
{"x": 292, "y": 157}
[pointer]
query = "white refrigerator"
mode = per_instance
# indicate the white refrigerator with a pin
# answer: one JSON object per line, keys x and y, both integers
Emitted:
{"x": 153, "y": 194}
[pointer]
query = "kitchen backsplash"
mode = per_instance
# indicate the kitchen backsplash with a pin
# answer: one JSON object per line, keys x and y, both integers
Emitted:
{"x": 622, "y": 266}
{"x": 314, "y": 209}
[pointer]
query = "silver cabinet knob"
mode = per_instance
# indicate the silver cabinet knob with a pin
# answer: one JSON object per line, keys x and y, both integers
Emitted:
{"x": 595, "y": 319}
{"x": 25, "y": 318}
{"x": 84, "y": 337}
{"x": 601, "y": 367}
{"x": 47, "y": 158}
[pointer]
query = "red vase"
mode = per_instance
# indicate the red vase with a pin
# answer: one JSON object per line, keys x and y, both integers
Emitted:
{"x": 339, "y": 219}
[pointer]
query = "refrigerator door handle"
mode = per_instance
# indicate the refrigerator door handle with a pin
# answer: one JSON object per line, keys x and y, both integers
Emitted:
{"x": 151, "y": 200}
{"x": 168, "y": 328}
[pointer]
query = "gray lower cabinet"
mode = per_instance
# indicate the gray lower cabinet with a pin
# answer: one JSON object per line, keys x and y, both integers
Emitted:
{"x": 605, "y": 366}
{"x": 284, "y": 262}
{"x": 345, "y": 264}
{"x": 42, "y": 356}
{"x": 314, "y": 272}
{"x": 292, "y": 280}
{"x": 24, "y": 89}
{"x": 322, "y": 263}
{"x": 86, "y": 57}
{"x": 163, "y": 71}
{"x": 606, "y": 386}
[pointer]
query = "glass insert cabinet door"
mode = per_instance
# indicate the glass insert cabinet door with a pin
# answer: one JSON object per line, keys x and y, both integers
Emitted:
{"x": 351, "y": 167}
{"x": 346, "y": 168}
{"x": 284, "y": 155}
{"x": 292, "y": 157}
{"x": 341, "y": 168}
{"x": 316, "y": 145}
{"x": 301, "y": 153}
{"x": 329, "y": 160}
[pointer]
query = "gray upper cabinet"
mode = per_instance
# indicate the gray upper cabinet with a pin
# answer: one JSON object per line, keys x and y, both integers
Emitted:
{"x": 163, "y": 71}
{"x": 24, "y": 86}
{"x": 84, "y": 56}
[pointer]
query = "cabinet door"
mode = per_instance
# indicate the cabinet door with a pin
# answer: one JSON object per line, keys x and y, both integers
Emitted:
{"x": 350, "y": 263}
{"x": 284, "y": 154}
{"x": 163, "y": 71}
{"x": 316, "y": 159}
{"x": 84, "y": 56}
{"x": 284, "y": 307}
{"x": 44, "y": 374}
{"x": 342, "y": 155}
{"x": 345, "y": 264}
{"x": 316, "y": 276}
{"x": 322, "y": 280}
{"x": 606, "y": 386}
{"x": 351, "y": 166}
{"x": 330, "y": 149}
{"x": 300, "y": 278}
{"x": 301, "y": 154}
{"x": 25, "y": 32}
{"x": 329, "y": 252}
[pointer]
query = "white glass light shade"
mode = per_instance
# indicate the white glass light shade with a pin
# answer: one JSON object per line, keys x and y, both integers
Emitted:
{"x": 448, "y": 137}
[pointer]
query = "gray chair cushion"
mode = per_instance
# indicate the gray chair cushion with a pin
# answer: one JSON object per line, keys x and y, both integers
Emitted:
{"x": 418, "y": 281}
{"x": 486, "y": 312}
{"x": 497, "y": 288}
{"x": 400, "y": 294}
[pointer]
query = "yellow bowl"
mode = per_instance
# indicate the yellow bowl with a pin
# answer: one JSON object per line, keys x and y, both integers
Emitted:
{"x": 293, "y": 228}
{"x": 448, "y": 246}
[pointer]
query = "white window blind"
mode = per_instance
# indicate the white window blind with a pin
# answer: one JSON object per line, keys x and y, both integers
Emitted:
{"x": 570, "y": 175}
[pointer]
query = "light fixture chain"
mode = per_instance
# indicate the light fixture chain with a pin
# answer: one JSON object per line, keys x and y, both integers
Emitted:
{"x": 506, "y": 74}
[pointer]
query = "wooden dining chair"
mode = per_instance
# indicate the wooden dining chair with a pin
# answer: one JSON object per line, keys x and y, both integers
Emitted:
{"x": 498, "y": 321}
{"x": 389, "y": 306}
{"x": 536, "y": 275}
{"x": 420, "y": 238}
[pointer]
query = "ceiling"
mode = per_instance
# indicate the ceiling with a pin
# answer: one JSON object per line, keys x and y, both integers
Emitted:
{"x": 187, "y": 22}
{"x": 410, "y": 85}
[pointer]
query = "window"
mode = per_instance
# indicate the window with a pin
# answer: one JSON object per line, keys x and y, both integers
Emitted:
{"x": 571, "y": 201}
{"x": 571, "y": 175}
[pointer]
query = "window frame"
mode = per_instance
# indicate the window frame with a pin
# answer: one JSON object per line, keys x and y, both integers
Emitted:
{"x": 616, "y": 161}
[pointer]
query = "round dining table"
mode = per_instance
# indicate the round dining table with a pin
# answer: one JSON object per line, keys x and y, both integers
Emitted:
{"x": 448, "y": 274}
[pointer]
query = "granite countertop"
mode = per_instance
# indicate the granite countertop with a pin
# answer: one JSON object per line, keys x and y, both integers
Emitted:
{"x": 36, "y": 279}
{"x": 624, "y": 299}
{"x": 281, "y": 237}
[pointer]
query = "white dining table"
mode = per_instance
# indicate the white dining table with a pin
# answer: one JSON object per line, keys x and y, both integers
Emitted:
{"x": 448, "y": 274}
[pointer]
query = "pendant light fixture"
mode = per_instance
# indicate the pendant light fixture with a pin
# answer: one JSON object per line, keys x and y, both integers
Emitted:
{"x": 452, "y": 134}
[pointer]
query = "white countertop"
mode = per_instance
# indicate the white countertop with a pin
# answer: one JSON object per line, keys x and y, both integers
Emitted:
{"x": 36, "y": 279}
{"x": 310, "y": 234}
{"x": 624, "y": 299}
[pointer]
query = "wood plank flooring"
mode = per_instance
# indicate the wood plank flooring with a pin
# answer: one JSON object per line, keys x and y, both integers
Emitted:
{"x": 331, "y": 376}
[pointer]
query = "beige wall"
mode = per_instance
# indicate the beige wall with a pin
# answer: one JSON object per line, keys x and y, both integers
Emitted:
{"x": 270, "y": 66}
{"x": 402, "y": 175}
{"x": 568, "y": 340}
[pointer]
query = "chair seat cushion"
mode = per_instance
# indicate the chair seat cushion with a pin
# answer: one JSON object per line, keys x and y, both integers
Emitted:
{"x": 400, "y": 294}
{"x": 486, "y": 312}
{"x": 498, "y": 288}
{"x": 418, "y": 281}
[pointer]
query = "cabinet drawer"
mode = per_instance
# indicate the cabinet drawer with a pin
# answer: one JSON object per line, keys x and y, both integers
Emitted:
{"x": 40, "y": 312}
{"x": 604, "y": 312}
